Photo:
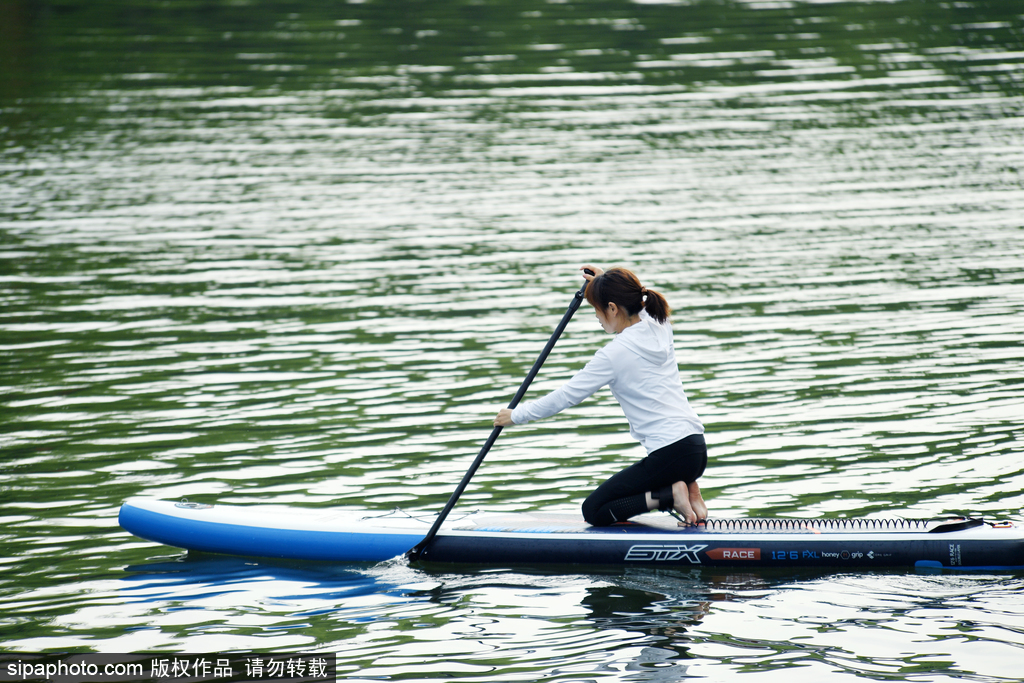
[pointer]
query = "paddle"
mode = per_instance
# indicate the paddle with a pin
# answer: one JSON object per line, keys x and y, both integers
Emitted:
{"x": 418, "y": 551}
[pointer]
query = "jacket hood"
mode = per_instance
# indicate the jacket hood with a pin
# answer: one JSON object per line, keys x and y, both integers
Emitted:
{"x": 649, "y": 340}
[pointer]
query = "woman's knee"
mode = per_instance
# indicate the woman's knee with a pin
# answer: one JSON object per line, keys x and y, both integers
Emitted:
{"x": 590, "y": 510}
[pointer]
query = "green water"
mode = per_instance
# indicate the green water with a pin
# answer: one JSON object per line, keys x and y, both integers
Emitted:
{"x": 300, "y": 253}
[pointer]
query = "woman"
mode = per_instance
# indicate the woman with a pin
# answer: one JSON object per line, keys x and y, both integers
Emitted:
{"x": 639, "y": 366}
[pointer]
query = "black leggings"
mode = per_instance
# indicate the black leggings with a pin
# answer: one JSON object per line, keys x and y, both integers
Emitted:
{"x": 624, "y": 494}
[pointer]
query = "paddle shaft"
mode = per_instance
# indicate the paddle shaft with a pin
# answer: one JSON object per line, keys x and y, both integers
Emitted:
{"x": 416, "y": 552}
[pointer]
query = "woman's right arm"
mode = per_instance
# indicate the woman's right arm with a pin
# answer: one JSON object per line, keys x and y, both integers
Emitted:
{"x": 504, "y": 418}
{"x": 597, "y": 373}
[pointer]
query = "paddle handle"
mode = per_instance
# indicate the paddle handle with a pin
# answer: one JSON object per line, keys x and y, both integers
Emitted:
{"x": 420, "y": 549}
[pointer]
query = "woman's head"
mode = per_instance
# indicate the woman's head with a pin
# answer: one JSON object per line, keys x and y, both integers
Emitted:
{"x": 621, "y": 287}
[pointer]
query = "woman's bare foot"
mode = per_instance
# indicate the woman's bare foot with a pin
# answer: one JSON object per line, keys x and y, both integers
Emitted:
{"x": 681, "y": 502}
{"x": 696, "y": 501}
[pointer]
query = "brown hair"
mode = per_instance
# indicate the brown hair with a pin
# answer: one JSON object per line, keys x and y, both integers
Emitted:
{"x": 623, "y": 288}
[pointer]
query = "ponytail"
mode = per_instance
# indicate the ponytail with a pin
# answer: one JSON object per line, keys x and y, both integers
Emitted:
{"x": 656, "y": 306}
{"x": 623, "y": 288}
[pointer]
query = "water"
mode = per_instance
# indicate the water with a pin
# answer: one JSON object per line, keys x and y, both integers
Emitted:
{"x": 295, "y": 253}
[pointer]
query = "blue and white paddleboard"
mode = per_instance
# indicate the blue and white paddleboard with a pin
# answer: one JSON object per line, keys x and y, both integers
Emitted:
{"x": 653, "y": 540}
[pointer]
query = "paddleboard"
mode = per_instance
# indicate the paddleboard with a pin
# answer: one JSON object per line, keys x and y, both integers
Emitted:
{"x": 539, "y": 538}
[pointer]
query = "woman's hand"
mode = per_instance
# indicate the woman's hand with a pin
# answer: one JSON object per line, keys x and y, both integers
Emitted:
{"x": 504, "y": 418}
{"x": 596, "y": 270}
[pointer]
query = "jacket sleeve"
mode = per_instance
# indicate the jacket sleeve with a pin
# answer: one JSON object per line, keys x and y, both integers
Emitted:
{"x": 596, "y": 374}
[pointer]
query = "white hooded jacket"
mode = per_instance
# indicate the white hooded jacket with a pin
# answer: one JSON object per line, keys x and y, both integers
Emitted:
{"x": 639, "y": 366}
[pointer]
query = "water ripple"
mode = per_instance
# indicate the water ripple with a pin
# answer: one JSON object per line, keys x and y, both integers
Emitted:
{"x": 303, "y": 258}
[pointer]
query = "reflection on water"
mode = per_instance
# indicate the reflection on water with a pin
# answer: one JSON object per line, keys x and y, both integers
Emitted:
{"x": 392, "y": 620}
{"x": 300, "y": 253}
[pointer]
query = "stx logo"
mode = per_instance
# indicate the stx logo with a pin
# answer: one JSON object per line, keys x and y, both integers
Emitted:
{"x": 664, "y": 553}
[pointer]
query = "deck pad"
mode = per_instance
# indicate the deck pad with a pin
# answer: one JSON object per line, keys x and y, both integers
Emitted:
{"x": 565, "y": 523}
